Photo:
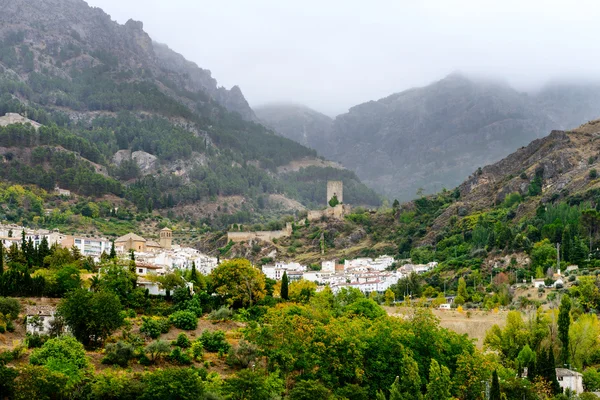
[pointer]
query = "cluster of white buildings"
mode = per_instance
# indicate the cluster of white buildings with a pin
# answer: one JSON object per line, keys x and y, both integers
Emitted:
{"x": 365, "y": 274}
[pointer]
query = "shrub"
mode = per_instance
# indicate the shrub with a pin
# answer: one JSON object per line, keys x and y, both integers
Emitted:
{"x": 182, "y": 341}
{"x": 242, "y": 355}
{"x": 197, "y": 350}
{"x": 184, "y": 320}
{"x": 222, "y": 314}
{"x": 35, "y": 341}
{"x": 593, "y": 174}
{"x": 153, "y": 327}
{"x": 179, "y": 356}
{"x": 10, "y": 307}
{"x": 214, "y": 341}
{"x": 63, "y": 354}
{"x": 118, "y": 354}
{"x": 157, "y": 349}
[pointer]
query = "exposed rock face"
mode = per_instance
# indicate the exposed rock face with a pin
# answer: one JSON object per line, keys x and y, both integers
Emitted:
{"x": 145, "y": 161}
{"x": 58, "y": 24}
{"x": 12, "y": 118}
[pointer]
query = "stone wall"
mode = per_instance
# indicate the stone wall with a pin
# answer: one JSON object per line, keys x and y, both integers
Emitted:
{"x": 337, "y": 212}
{"x": 266, "y": 236}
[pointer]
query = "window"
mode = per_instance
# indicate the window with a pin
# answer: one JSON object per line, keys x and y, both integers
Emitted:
{"x": 140, "y": 271}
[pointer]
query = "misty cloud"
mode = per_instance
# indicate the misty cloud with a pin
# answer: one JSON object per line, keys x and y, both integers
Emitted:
{"x": 334, "y": 54}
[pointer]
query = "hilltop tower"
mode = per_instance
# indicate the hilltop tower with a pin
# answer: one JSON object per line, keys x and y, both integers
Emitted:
{"x": 335, "y": 188}
{"x": 166, "y": 237}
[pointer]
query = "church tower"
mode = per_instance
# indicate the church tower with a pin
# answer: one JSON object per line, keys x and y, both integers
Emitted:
{"x": 166, "y": 237}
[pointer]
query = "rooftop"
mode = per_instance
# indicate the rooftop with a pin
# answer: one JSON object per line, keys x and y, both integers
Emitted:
{"x": 130, "y": 236}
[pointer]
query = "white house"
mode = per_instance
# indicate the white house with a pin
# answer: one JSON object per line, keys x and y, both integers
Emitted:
{"x": 39, "y": 319}
{"x": 570, "y": 379}
{"x": 328, "y": 266}
{"x": 538, "y": 283}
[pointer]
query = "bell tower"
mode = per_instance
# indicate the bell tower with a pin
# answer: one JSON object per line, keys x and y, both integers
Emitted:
{"x": 166, "y": 238}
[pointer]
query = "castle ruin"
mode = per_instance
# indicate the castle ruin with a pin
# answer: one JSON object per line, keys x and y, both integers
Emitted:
{"x": 335, "y": 188}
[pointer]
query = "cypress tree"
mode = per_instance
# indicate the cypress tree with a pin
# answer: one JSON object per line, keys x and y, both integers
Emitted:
{"x": 113, "y": 252}
{"x": 1, "y": 258}
{"x": 285, "y": 286}
{"x": 42, "y": 251}
{"x": 194, "y": 274}
{"x": 495, "y": 390}
{"x": 23, "y": 244}
{"x": 564, "y": 321}
{"x": 551, "y": 372}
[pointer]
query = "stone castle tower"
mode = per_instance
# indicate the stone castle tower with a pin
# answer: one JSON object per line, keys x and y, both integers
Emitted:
{"x": 166, "y": 237}
{"x": 335, "y": 188}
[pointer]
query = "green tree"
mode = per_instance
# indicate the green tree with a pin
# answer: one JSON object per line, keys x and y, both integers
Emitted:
{"x": 284, "y": 286}
{"x": 92, "y": 317}
{"x": 239, "y": 282}
{"x": 438, "y": 387}
{"x": 310, "y": 390}
{"x": 172, "y": 383}
{"x": 564, "y": 321}
{"x": 113, "y": 252}
{"x": 462, "y": 289}
{"x": 1, "y": 258}
{"x": 334, "y": 201}
{"x": 389, "y": 297}
{"x": 590, "y": 219}
{"x": 495, "y": 389}
{"x": 63, "y": 354}
{"x": 255, "y": 385}
{"x": 40, "y": 383}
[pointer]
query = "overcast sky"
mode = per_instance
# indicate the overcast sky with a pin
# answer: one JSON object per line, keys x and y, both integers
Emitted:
{"x": 333, "y": 54}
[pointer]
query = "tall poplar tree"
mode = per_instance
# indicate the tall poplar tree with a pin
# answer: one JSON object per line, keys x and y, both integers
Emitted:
{"x": 495, "y": 390}
{"x": 285, "y": 294}
{"x": 564, "y": 322}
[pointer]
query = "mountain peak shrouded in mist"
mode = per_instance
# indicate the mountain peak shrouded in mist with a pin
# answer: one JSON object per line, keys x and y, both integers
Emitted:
{"x": 433, "y": 137}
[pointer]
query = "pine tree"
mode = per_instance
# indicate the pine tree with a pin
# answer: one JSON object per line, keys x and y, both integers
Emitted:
{"x": 285, "y": 286}
{"x": 495, "y": 390}
{"x": 113, "y": 252}
{"x": 438, "y": 387}
{"x": 564, "y": 321}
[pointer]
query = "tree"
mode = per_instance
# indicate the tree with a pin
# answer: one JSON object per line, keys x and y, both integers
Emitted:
{"x": 495, "y": 390}
{"x": 590, "y": 220}
{"x": 584, "y": 340}
{"x": 63, "y": 354}
{"x": 173, "y": 383}
{"x": 564, "y": 320}
{"x": 92, "y": 317}
{"x": 334, "y": 201}
{"x": 157, "y": 349}
{"x": 113, "y": 252}
{"x": 302, "y": 290}
{"x": 284, "y": 286}
{"x": 389, "y": 297}
{"x": 239, "y": 282}
{"x": 462, "y": 289}
{"x": 255, "y": 385}
{"x": 1, "y": 258}
{"x": 438, "y": 387}
{"x": 40, "y": 383}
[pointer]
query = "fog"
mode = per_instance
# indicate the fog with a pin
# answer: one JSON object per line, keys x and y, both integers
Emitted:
{"x": 333, "y": 54}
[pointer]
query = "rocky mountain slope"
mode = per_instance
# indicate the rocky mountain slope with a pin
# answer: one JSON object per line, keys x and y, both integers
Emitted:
{"x": 126, "y": 116}
{"x": 297, "y": 122}
{"x": 435, "y": 136}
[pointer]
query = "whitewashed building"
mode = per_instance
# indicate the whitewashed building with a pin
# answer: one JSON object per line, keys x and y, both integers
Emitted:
{"x": 568, "y": 379}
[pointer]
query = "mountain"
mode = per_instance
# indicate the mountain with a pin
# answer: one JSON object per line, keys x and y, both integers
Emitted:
{"x": 125, "y": 117}
{"x": 296, "y": 122}
{"x": 435, "y": 136}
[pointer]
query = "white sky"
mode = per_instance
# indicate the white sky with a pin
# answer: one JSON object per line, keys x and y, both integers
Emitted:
{"x": 333, "y": 54}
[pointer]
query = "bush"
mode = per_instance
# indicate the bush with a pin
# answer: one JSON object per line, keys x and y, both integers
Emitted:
{"x": 197, "y": 350}
{"x": 153, "y": 327}
{"x": 184, "y": 320}
{"x": 157, "y": 349}
{"x": 35, "y": 341}
{"x": 118, "y": 354}
{"x": 179, "y": 356}
{"x": 182, "y": 341}
{"x": 242, "y": 355}
{"x": 214, "y": 341}
{"x": 222, "y": 314}
{"x": 10, "y": 308}
{"x": 593, "y": 174}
